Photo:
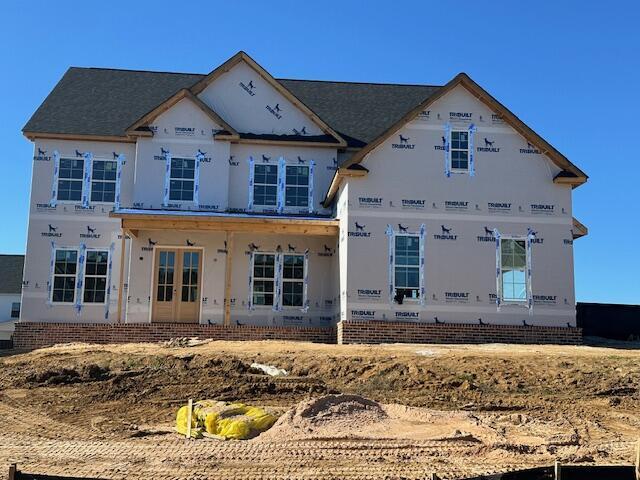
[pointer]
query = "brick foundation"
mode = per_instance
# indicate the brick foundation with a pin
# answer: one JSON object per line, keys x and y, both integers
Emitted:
{"x": 375, "y": 331}
{"x": 42, "y": 334}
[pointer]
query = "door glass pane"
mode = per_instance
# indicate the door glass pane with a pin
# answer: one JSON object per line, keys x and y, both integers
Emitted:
{"x": 166, "y": 262}
{"x": 190, "y": 264}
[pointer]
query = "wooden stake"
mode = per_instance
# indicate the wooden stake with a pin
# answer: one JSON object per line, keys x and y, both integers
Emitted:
{"x": 189, "y": 413}
{"x": 12, "y": 471}
{"x": 558, "y": 471}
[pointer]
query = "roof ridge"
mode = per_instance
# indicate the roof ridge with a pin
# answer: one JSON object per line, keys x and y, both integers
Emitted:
{"x": 133, "y": 70}
{"x": 361, "y": 83}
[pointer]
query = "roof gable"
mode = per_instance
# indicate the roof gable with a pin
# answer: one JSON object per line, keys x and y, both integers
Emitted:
{"x": 103, "y": 102}
{"x": 462, "y": 79}
{"x": 254, "y": 102}
{"x": 184, "y": 95}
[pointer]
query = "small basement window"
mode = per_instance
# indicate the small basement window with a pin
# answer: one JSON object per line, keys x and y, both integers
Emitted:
{"x": 459, "y": 150}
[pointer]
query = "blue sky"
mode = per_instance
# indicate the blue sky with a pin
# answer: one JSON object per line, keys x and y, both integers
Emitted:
{"x": 568, "y": 69}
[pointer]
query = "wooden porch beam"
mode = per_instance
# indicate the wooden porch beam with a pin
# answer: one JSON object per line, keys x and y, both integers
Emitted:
{"x": 121, "y": 280}
{"x": 238, "y": 227}
{"x": 227, "y": 279}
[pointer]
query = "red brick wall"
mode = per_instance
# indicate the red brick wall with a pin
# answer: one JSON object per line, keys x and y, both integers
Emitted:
{"x": 375, "y": 331}
{"x": 42, "y": 334}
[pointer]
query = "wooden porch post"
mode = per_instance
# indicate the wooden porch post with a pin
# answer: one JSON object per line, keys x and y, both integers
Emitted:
{"x": 227, "y": 279}
{"x": 121, "y": 285}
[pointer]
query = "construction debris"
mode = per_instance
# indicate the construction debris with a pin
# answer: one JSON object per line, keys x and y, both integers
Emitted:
{"x": 270, "y": 369}
{"x": 222, "y": 420}
{"x": 180, "y": 342}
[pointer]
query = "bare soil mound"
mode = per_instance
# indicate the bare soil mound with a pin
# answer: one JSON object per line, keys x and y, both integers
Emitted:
{"x": 330, "y": 416}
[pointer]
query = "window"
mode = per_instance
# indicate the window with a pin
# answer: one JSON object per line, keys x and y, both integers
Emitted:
{"x": 181, "y": 180}
{"x": 265, "y": 185}
{"x": 407, "y": 267}
{"x": 64, "y": 276}
{"x": 513, "y": 269}
{"x": 190, "y": 267}
{"x": 263, "y": 278}
{"x": 70, "y": 179}
{"x": 95, "y": 276}
{"x": 292, "y": 281}
{"x": 297, "y": 186}
{"x": 166, "y": 267}
{"x": 15, "y": 310}
{"x": 103, "y": 181}
{"x": 459, "y": 150}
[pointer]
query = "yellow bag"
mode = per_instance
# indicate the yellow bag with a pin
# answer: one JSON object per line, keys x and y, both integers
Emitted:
{"x": 260, "y": 420}
{"x": 229, "y": 420}
{"x": 238, "y": 427}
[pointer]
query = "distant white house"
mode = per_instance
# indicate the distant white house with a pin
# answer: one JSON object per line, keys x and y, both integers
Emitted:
{"x": 10, "y": 292}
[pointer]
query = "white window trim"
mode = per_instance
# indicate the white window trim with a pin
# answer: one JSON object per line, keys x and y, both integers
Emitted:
{"x": 468, "y": 150}
{"x": 393, "y": 267}
{"x": 527, "y": 281}
{"x": 84, "y": 282}
{"x": 275, "y": 276}
{"x": 75, "y": 283}
{"x": 72, "y": 202}
{"x": 184, "y": 157}
{"x": 296, "y": 208}
{"x": 259, "y": 206}
{"x": 100, "y": 202}
{"x": 282, "y": 281}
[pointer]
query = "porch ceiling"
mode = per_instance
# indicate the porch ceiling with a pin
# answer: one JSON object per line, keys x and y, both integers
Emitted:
{"x": 204, "y": 221}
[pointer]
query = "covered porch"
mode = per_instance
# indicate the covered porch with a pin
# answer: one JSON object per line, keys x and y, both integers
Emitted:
{"x": 227, "y": 269}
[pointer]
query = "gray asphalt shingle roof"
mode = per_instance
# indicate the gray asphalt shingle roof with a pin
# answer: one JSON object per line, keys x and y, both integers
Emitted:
{"x": 11, "y": 273}
{"x": 96, "y": 101}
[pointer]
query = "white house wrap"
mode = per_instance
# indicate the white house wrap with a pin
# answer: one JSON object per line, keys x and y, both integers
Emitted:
{"x": 167, "y": 177}
{"x": 312, "y": 165}
{"x": 472, "y": 168}
{"x": 86, "y": 184}
{"x": 56, "y": 173}
{"x": 82, "y": 251}
{"x": 196, "y": 179}
{"x": 251, "y": 181}
{"x": 120, "y": 159}
{"x": 282, "y": 172}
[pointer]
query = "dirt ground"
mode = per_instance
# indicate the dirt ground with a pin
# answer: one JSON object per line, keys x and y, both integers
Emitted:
{"x": 457, "y": 410}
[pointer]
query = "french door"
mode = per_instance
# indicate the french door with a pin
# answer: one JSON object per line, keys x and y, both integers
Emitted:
{"x": 177, "y": 279}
